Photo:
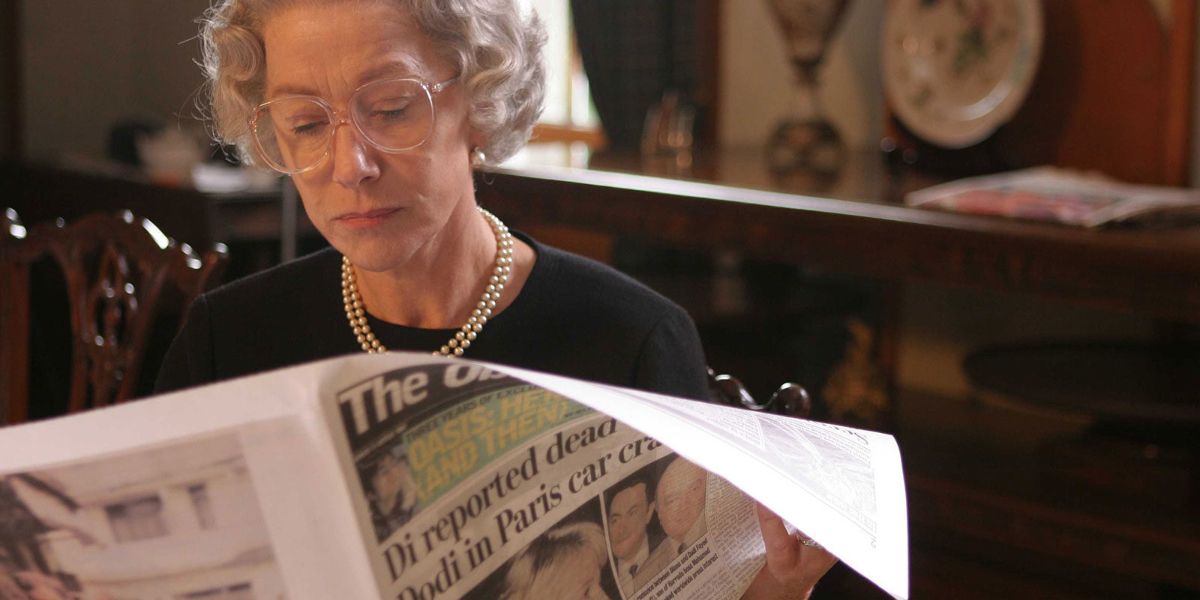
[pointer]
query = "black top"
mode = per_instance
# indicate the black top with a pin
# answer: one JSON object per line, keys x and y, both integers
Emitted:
{"x": 574, "y": 317}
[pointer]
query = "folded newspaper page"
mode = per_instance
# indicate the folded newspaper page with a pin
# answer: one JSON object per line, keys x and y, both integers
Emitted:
{"x": 411, "y": 477}
{"x": 1064, "y": 196}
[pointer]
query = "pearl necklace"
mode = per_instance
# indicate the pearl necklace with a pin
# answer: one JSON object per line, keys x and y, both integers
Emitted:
{"x": 356, "y": 314}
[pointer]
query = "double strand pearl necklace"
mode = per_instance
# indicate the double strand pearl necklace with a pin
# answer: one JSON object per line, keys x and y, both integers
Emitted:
{"x": 357, "y": 316}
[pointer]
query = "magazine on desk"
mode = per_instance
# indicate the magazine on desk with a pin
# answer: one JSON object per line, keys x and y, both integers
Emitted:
{"x": 1062, "y": 196}
{"x": 413, "y": 477}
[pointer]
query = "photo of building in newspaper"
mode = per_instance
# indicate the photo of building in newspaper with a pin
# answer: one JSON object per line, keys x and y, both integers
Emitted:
{"x": 569, "y": 560}
{"x": 179, "y": 522}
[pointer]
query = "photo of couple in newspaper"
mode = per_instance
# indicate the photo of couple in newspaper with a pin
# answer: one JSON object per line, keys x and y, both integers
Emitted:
{"x": 418, "y": 478}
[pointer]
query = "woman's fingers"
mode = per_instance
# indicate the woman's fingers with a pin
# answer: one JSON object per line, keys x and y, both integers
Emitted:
{"x": 794, "y": 561}
{"x": 783, "y": 551}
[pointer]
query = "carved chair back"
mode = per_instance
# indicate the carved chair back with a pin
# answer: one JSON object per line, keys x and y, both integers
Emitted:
{"x": 790, "y": 400}
{"x": 116, "y": 269}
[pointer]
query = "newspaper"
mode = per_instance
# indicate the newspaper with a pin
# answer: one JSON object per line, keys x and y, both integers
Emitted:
{"x": 413, "y": 477}
{"x": 1062, "y": 196}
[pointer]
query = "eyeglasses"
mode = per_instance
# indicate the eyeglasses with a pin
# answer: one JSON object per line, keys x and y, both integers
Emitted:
{"x": 293, "y": 134}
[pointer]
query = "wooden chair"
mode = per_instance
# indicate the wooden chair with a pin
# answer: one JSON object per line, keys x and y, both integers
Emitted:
{"x": 790, "y": 400}
{"x": 119, "y": 272}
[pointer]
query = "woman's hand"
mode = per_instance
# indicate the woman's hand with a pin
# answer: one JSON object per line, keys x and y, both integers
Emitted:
{"x": 792, "y": 568}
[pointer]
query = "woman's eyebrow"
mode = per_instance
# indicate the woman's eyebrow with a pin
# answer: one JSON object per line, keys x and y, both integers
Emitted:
{"x": 397, "y": 64}
{"x": 288, "y": 90}
{"x": 393, "y": 69}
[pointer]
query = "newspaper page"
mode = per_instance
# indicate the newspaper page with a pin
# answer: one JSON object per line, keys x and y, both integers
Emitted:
{"x": 482, "y": 481}
{"x": 1064, "y": 196}
{"x": 406, "y": 476}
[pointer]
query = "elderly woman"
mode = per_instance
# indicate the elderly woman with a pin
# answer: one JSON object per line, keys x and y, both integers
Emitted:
{"x": 379, "y": 110}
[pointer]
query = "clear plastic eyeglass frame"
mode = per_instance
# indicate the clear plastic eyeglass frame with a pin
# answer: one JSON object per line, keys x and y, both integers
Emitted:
{"x": 337, "y": 118}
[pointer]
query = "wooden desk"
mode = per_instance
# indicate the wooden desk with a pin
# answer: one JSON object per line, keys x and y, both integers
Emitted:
{"x": 855, "y": 224}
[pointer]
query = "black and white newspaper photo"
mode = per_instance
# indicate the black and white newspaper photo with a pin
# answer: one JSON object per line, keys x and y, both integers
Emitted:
{"x": 226, "y": 491}
{"x": 181, "y": 521}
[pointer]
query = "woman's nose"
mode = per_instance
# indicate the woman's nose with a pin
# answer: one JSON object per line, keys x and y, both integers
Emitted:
{"x": 353, "y": 163}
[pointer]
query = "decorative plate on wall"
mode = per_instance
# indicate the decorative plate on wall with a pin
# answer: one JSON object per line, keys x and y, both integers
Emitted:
{"x": 955, "y": 70}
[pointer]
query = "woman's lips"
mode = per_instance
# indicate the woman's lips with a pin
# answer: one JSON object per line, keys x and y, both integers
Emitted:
{"x": 366, "y": 218}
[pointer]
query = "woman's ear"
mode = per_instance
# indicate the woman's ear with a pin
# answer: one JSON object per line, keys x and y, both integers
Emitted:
{"x": 477, "y": 139}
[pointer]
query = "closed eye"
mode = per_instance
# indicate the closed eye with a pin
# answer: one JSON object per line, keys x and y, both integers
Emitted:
{"x": 390, "y": 110}
{"x": 392, "y": 114}
{"x": 309, "y": 129}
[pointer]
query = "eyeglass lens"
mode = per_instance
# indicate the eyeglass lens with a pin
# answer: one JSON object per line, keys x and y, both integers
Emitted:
{"x": 294, "y": 134}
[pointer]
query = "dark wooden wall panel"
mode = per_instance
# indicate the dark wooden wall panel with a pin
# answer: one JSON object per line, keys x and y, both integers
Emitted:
{"x": 1113, "y": 91}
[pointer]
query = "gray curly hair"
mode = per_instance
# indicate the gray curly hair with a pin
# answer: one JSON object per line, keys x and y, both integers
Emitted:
{"x": 498, "y": 53}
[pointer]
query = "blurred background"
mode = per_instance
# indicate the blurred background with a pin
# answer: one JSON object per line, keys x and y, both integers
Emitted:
{"x": 110, "y": 88}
